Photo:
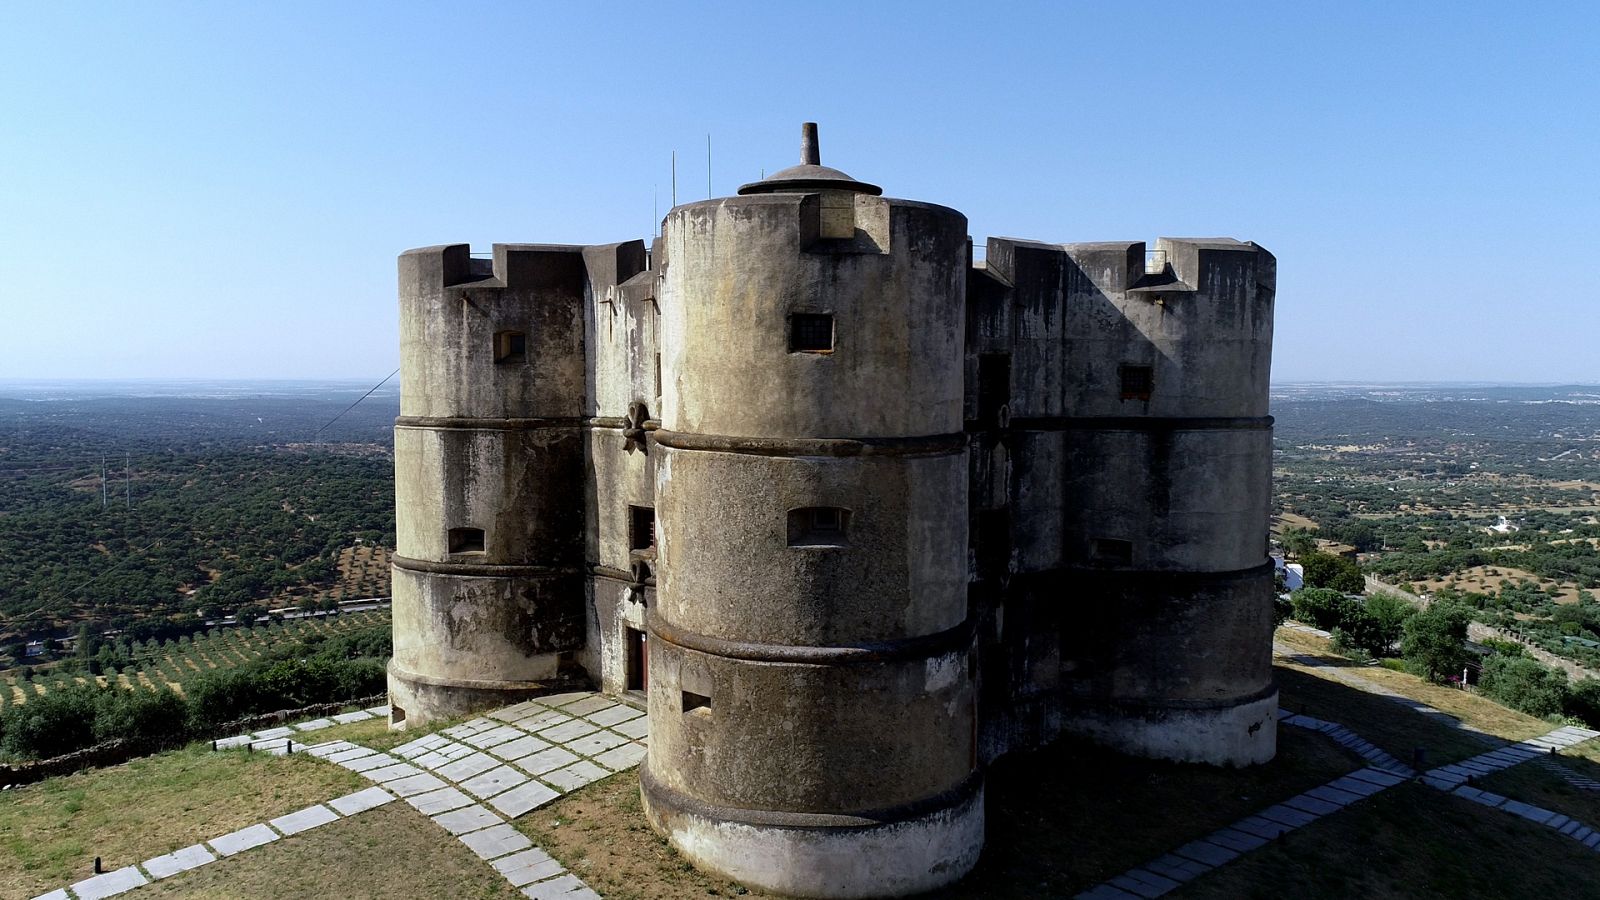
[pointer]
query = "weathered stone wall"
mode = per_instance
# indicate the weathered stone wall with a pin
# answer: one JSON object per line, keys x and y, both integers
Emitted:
{"x": 1121, "y": 498}
{"x": 489, "y": 502}
{"x": 785, "y": 671}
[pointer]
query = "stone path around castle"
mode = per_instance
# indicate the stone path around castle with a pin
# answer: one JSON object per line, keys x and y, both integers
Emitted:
{"x": 469, "y": 779}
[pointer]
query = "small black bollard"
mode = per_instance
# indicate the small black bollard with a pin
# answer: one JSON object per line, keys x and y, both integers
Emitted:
{"x": 97, "y": 869}
{"x": 213, "y": 745}
{"x": 288, "y": 746}
{"x": 1419, "y": 758}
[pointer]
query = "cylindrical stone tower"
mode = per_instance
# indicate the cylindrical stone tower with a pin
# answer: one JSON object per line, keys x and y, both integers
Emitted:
{"x": 811, "y": 703}
{"x": 1168, "y": 458}
{"x": 487, "y": 577}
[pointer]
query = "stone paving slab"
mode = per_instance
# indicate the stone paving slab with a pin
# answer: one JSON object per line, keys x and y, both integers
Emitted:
{"x": 523, "y": 799}
{"x": 546, "y": 761}
{"x": 625, "y": 757}
{"x": 566, "y": 887}
{"x": 468, "y": 766}
{"x": 241, "y": 840}
{"x": 559, "y": 700}
{"x": 381, "y": 712}
{"x": 323, "y": 751}
{"x": 392, "y": 773}
{"x": 493, "y": 782}
{"x": 354, "y": 752}
{"x": 57, "y": 894}
{"x": 361, "y": 801}
{"x": 314, "y": 725}
{"x": 514, "y": 712}
{"x": 169, "y": 864}
{"x": 634, "y": 728}
{"x": 543, "y": 719}
{"x": 350, "y": 718}
{"x": 532, "y": 865}
{"x": 568, "y": 731}
{"x": 281, "y": 748}
{"x": 599, "y": 742}
{"x": 271, "y": 733}
{"x": 495, "y": 841}
{"x": 483, "y": 740}
{"x": 304, "y": 820}
{"x": 574, "y": 776}
{"x": 432, "y": 759}
{"x": 616, "y": 715}
{"x": 442, "y": 800}
{"x": 240, "y": 740}
{"x": 591, "y": 704}
{"x": 368, "y": 763}
{"x": 469, "y": 818}
{"x": 419, "y": 783}
{"x": 527, "y": 745}
{"x": 110, "y": 884}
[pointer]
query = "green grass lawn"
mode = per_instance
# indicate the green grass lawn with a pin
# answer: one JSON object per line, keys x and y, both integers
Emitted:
{"x": 51, "y": 832}
{"x": 389, "y": 852}
{"x": 1408, "y": 842}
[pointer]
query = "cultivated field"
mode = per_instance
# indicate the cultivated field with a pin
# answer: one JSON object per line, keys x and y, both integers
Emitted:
{"x": 174, "y": 662}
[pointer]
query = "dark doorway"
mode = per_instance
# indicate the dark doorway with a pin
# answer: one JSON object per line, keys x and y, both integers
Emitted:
{"x": 638, "y": 665}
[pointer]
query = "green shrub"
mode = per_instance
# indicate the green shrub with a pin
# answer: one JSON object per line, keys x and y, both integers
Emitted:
{"x": 58, "y": 722}
{"x": 1583, "y": 701}
{"x": 156, "y": 718}
{"x": 1433, "y": 641}
{"x": 1525, "y": 684}
{"x": 1324, "y": 570}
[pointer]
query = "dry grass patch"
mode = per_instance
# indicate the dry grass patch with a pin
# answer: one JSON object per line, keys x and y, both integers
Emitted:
{"x": 51, "y": 832}
{"x": 1384, "y": 722}
{"x": 392, "y": 851}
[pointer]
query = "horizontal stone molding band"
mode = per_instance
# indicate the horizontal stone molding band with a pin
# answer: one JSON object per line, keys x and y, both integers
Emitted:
{"x": 670, "y": 801}
{"x": 600, "y": 571}
{"x": 1162, "y": 576}
{"x": 465, "y": 423}
{"x": 482, "y": 570}
{"x": 951, "y": 640}
{"x": 1138, "y": 423}
{"x": 1145, "y": 708}
{"x": 928, "y": 445}
{"x": 468, "y": 683}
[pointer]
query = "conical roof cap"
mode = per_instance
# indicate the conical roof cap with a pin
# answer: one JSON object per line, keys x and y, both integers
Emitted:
{"x": 810, "y": 175}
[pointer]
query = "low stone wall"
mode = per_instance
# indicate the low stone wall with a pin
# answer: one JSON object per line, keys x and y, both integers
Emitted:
{"x": 121, "y": 750}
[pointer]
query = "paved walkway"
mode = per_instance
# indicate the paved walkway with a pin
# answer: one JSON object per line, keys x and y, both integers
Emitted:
{"x": 469, "y": 779}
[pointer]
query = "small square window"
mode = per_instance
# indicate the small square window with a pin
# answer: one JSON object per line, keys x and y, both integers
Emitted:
{"x": 510, "y": 347}
{"x": 693, "y": 701}
{"x": 818, "y": 526}
{"x": 1137, "y": 382}
{"x": 641, "y": 528}
{"x": 466, "y": 540}
{"x": 810, "y": 333}
{"x": 1112, "y": 551}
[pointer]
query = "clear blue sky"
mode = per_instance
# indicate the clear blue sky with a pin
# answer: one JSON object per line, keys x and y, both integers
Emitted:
{"x": 220, "y": 190}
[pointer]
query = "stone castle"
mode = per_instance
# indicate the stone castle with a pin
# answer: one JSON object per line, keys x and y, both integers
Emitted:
{"x": 853, "y": 514}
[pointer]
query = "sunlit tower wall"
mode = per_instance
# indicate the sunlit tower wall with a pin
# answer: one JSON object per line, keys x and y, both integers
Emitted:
{"x": 1168, "y": 462}
{"x": 489, "y": 504}
{"x": 812, "y": 718}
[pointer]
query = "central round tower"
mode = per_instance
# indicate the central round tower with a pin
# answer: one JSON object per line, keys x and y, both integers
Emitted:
{"x": 811, "y": 696}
